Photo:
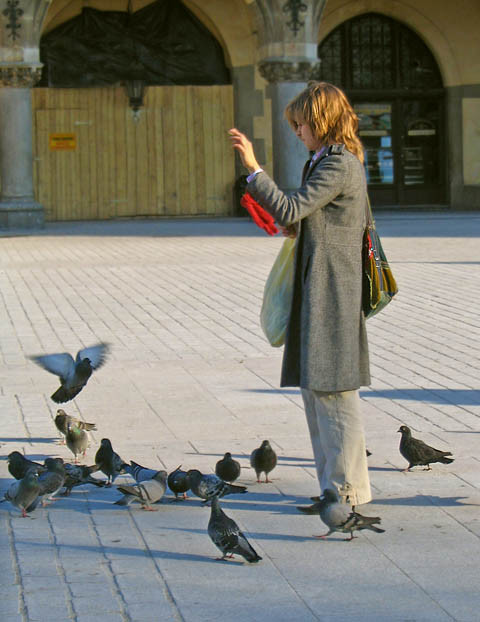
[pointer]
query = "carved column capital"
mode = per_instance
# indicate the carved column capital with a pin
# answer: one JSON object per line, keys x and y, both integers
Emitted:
{"x": 19, "y": 76}
{"x": 289, "y": 71}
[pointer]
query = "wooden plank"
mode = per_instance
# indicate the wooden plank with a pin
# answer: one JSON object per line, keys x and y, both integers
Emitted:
{"x": 228, "y": 156}
{"x": 140, "y": 163}
{"x": 168, "y": 153}
{"x": 176, "y": 161}
{"x": 158, "y": 161}
{"x": 88, "y": 97}
{"x": 200, "y": 168}
{"x": 120, "y": 207}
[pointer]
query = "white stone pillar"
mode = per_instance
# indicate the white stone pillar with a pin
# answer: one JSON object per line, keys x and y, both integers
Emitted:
{"x": 287, "y": 52}
{"x": 286, "y": 80}
{"x": 18, "y": 208}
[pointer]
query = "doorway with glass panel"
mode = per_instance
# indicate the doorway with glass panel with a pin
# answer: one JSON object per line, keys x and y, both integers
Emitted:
{"x": 395, "y": 86}
{"x": 403, "y": 148}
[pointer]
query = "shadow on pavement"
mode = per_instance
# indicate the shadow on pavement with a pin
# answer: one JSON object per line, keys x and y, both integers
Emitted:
{"x": 436, "y": 396}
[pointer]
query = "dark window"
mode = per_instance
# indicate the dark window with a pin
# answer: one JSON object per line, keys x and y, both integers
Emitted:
{"x": 375, "y": 52}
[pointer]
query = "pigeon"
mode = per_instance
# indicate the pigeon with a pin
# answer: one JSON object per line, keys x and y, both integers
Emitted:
{"x": 228, "y": 468}
{"x": 418, "y": 453}
{"x": 340, "y": 517}
{"x": 147, "y": 492}
{"x": 51, "y": 480}
{"x": 208, "y": 486}
{"x": 139, "y": 472}
{"x": 24, "y": 493}
{"x": 109, "y": 461}
{"x": 263, "y": 460}
{"x": 78, "y": 474}
{"x": 18, "y": 465}
{"x": 77, "y": 440}
{"x": 227, "y": 537}
{"x": 62, "y": 420}
{"x": 179, "y": 482}
{"x": 73, "y": 374}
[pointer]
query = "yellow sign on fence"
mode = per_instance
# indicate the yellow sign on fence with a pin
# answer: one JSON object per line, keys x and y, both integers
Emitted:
{"x": 63, "y": 142}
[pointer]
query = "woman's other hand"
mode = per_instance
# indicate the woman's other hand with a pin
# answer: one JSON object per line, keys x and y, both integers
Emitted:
{"x": 245, "y": 149}
{"x": 289, "y": 232}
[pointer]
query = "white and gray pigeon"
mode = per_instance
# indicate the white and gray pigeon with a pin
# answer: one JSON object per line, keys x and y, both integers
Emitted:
{"x": 209, "y": 486}
{"x": 340, "y": 516}
{"x": 147, "y": 492}
{"x": 23, "y": 493}
{"x": 263, "y": 460}
{"x": 139, "y": 472}
{"x": 73, "y": 374}
{"x": 227, "y": 536}
{"x": 51, "y": 480}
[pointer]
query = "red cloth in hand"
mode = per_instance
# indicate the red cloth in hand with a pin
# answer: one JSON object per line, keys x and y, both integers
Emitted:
{"x": 260, "y": 217}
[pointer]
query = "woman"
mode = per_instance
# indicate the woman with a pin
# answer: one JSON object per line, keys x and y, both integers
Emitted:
{"x": 326, "y": 350}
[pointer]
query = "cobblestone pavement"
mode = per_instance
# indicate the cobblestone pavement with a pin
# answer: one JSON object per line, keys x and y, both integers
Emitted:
{"x": 191, "y": 376}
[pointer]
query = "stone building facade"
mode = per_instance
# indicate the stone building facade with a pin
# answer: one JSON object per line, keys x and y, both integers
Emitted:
{"x": 411, "y": 69}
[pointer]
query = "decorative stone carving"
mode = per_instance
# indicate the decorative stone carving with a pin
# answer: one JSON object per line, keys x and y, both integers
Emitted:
{"x": 13, "y": 12}
{"x": 19, "y": 76}
{"x": 289, "y": 71}
{"x": 295, "y": 7}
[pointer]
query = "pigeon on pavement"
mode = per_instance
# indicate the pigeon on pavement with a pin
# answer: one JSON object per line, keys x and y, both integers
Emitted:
{"x": 227, "y": 537}
{"x": 18, "y": 465}
{"x": 147, "y": 492}
{"x": 227, "y": 468}
{"x": 51, "y": 480}
{"x": 62, "y": 420}
{"x": 79, "y": 474}
{"x": 139, "y": 472}
{"x": 179, "y": 482}
{"x": 109, "y": 461}
{"x": 77, "y": 440}
{"x": 418, "y": 453}
{"x": 339, "y": 516}
{"x": 73, "y": 374}
{"x": 263, "y": 460}
{"x": 24, "y": 493}
{"x": 208, "y": 486}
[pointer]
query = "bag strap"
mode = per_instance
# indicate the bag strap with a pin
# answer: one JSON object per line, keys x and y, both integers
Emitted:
{"x": 368, "y": 213}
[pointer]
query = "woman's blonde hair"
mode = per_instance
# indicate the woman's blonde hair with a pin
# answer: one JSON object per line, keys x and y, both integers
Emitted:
{"x": 326, "y": 109}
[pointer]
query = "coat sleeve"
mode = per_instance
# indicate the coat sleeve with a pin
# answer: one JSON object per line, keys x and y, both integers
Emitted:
{"x": 324, "y": 184}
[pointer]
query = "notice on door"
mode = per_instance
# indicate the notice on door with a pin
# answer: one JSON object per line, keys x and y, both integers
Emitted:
{"x": 63, "y": 142}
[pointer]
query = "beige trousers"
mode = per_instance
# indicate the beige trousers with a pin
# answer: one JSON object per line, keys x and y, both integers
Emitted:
{"x": 338, "y": 441}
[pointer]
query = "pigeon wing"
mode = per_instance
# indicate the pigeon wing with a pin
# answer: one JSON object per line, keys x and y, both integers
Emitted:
{"x": 419, "y": 452}
{"x": 61, "y": 365}
{"x": 96, "y": 354}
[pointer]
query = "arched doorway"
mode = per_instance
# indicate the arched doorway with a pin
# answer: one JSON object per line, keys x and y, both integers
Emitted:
{"x": 396, "y": 88}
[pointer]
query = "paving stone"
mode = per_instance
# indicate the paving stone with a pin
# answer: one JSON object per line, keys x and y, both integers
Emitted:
{"x": 191, "y": 376}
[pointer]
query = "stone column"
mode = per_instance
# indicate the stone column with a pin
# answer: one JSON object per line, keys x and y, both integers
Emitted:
{"x": 287, "y": 33}
{"x": 286, "y": 80}
{"x": 18, "y": 208}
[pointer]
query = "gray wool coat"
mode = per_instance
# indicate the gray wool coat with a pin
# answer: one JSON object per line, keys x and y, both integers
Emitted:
{"x": 326, "y": 341}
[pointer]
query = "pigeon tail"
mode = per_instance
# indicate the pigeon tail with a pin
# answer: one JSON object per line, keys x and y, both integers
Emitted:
{"x": 62, "y": 394}
{"x": 232, "y": 489}
{"x": 445, "y": 460}
{"x": 309, "y": 509}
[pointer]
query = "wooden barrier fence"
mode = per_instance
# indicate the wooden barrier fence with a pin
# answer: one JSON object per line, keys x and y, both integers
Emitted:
{"x": 94, "y": 161}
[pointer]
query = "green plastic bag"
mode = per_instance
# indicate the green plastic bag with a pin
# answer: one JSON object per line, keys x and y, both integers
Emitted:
{"x": 277, "y": 295}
